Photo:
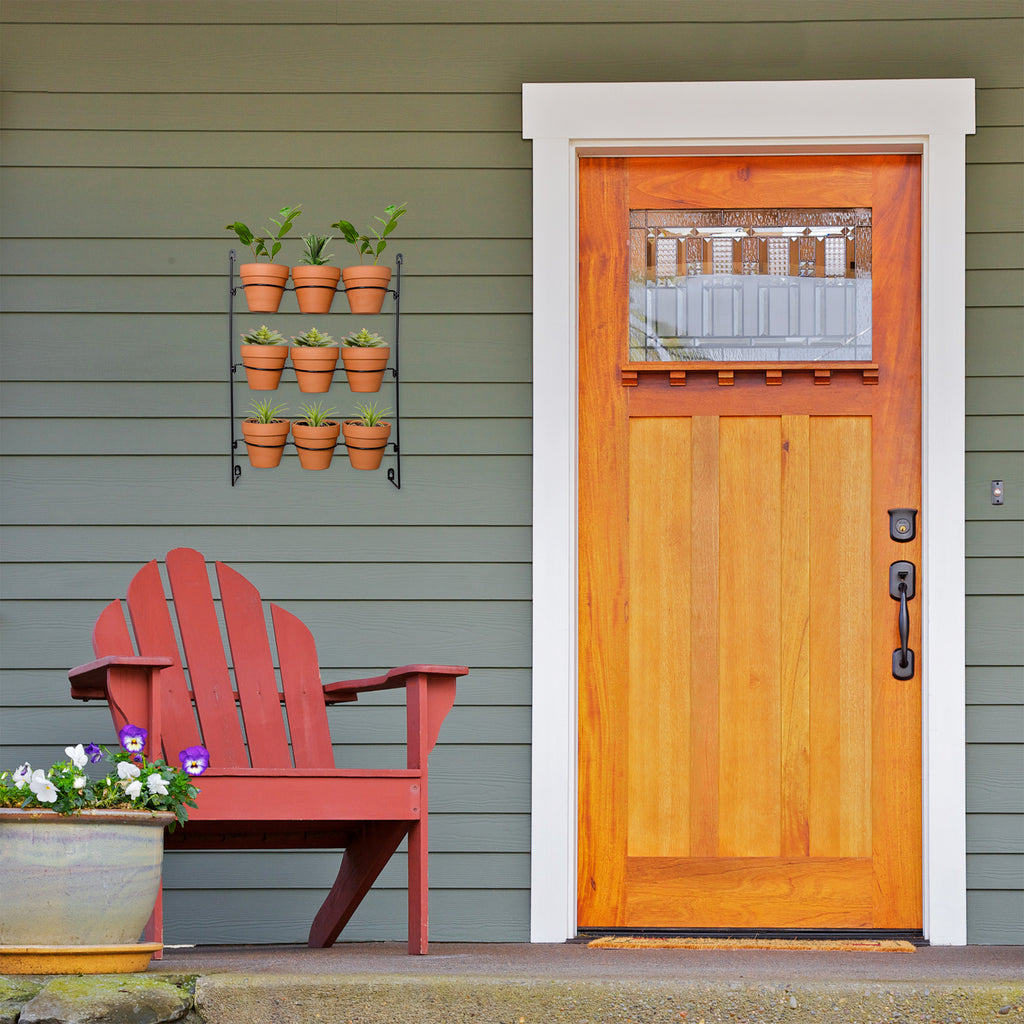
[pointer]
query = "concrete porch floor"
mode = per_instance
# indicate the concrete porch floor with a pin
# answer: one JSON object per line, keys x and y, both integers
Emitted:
{"x": 367, "y": 983}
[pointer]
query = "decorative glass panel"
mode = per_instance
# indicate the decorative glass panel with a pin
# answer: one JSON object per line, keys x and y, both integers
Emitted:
{"x": 750, "y": 285}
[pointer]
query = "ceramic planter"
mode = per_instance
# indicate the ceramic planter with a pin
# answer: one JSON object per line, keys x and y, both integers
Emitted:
{"x": 315, "y": 287}
{"x": 314, "y": 367}
{"x": 263, "y": 365}
{"x": 365, "y": 287}
{"x": 78, "y": 889}
{"x": 265, "y": 442}
{"x": 365, "y": 367}
{"x": 365, "y": 444}
{"x": 316, "y": 445}
{"x": 264, "y": 285}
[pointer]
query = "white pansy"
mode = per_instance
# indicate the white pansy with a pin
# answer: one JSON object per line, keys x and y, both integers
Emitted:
{"x": 127, "y": 770}
{"x": 157, "y": 784}
{"x": 80, "y": 781}
{"x": 22, "y": 775}
{"x": 133, "y": 789}
{"x": 44, "y": 790}
{"x": 79, "y": 758}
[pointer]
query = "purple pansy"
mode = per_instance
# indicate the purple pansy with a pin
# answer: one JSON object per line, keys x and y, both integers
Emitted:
{"x": 194, "y": 760}
{"x": 133, "y": 739}
{"x": 93, "y": 752}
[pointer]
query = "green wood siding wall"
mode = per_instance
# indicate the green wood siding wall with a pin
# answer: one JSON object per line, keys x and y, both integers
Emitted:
{"x": 133, "y": 132}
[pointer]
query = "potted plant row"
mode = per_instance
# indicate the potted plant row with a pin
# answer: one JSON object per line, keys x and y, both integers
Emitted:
{"x": 315, "y": 281}
{"x": 315, "y": 434}
{"x": 315, "y": 356}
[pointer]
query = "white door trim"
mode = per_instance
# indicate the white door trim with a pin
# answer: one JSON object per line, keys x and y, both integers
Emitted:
{"x": 928, "y": 116}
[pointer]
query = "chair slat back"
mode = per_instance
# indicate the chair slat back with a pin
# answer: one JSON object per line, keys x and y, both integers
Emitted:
{"x": 255, "y": 678}
{"x": 303, "y": 691}
{"x": 154, "y": 635}
{"x": 204, "y": 652}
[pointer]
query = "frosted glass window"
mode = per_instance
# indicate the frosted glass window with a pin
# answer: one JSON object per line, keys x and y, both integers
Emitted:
{"x": 754, "y": 285}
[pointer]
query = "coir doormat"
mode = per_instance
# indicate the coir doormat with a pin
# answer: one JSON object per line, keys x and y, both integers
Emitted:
{"x": 814, "y": 945}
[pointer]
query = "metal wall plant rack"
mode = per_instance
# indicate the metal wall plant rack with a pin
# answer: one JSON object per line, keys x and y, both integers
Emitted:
{"x": 394, "y": 473}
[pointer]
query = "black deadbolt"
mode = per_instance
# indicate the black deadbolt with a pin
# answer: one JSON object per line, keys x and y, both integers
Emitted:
{"x": 903, "y": 524}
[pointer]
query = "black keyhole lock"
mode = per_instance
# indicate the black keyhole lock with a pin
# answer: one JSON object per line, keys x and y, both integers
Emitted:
{"x": 902, "y": 524}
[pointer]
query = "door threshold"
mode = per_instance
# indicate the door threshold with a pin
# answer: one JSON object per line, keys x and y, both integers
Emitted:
{"x": 814, "y": 934}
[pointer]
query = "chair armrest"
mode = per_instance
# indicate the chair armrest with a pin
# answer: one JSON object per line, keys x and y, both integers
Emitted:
{"x": 349, "y": 689}
{"x": 89, "y": 681}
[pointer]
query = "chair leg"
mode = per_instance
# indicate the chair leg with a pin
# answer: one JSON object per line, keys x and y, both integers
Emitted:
{"x": 364, "y": 859}
{"x": 419, "y": 889}
{"x": 154, "y": 931}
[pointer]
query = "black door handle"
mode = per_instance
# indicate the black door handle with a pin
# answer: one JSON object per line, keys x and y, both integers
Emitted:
{"x": 902, "y": 579}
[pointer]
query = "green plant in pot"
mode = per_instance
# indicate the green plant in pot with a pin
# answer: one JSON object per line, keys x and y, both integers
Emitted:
{"x": 265, "y": 432}
{"x": 366, "y": 436}
{"x": 315, "y": 282}
{"x": 316, "y": 436}
{"x": 365, "y": 356}
{"x": 81, "y": 850}
{"x": 366, "y": 284}
{"x": 264, "y": 282}
{"x": 264, "y": 352}
{"x": 315, "y": 357}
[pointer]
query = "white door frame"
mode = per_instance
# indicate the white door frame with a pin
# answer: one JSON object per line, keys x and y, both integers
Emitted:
{"x": 931, "y": 117}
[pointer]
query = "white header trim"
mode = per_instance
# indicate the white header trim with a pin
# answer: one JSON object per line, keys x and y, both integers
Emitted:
{"x": 931, "y": 116}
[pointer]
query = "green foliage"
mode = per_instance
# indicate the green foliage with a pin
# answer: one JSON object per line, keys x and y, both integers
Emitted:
{"x": 263, "y": 412}
{"x": 314, "y": 254}
{"x": 263, "y": 335}
{"x": 370, "y": 415}
{"x": 257, "y": 244}
{"x": 372, "y": 242}
{"x": 363, "y": 339}
{"x": 313, "y": 415}
{"x": 314, "y": 339}
{"x": 133, "y": 783}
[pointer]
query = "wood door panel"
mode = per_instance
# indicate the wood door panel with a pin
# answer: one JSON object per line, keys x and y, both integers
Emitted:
{"x": 746, "y": 759}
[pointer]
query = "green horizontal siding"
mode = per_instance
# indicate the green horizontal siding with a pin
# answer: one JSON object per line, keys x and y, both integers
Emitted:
{"x": 134, "y": 132}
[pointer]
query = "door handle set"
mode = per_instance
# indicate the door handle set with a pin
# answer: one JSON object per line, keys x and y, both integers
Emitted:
{"x": 902, "y": 588}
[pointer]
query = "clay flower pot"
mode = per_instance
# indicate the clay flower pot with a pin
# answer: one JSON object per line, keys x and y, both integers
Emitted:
{"x": 314, "y": 367}
{"x": 365, "y": 367}
{"x": 316, "y": 445}
{"x": 365, "y": 444}
{"x": 264, "y": 285}
{"x": 265, "y": 442}
{"x": 365, "y": 287}
{"x": 315, "y": 287}
{"x": 263, "y": 365}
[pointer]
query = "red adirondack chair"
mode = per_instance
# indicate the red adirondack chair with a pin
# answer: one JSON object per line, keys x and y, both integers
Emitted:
{"x": 262, "y": 791}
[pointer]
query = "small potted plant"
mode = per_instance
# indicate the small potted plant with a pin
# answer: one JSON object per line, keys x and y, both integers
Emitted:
{"x": 316, "y": 436}
{"x": 315, "y": 281}
{"x": 263, "y": 355}
{"x": 367, "y": 436}
{"x": 82, "y": 854}
{"x": 264, "y": 282}
{"x": 365, "y": 285}
{"x": 315, "y": 357}
{"x": 365, "y": 356}
{"x": 265, "y": 432}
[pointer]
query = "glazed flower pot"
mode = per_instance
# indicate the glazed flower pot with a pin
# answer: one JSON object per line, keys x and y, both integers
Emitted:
{"x": 263, "y": 365}
{"x": 78, "y": 889}
{"x": 365, "y": 367}
{"x": 365, "y": 444}
{"x": 264, "y": 285}
{"x": 365, "y": 287}
{"x": 265, "y": 442}
{"x": 314, "y": 367}
{"x": 315, "y": 287}
{"x": 316, "y": 445}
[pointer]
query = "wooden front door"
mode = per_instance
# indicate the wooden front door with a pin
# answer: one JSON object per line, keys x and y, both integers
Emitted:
{"x": 746, "y": 757}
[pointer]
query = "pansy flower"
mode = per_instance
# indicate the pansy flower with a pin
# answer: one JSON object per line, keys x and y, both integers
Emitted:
{"x": 157, "y": 784}
{"x": 44, "y": 789}
{"x": 127, "y": 770}
{"x": 94, "y": 752}
{"x": 194, "y": 760}
{"x": 79, "y": 758}
{"x": 22, "y": 775}
{"x": 133, "y": 789}
{"x": 133, "y": 738}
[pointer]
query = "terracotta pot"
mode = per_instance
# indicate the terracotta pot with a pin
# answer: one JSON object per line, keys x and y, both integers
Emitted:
{"x": 365, "y": 367}
{"x": 264, "y": 285}
{"x": 365, "y": 444}
{"x": 314, "y": 367}
{"x": 78, "y": 889}
{"x": 265, "y": 442}
{"x": 365, "y": 287}
{"x": 316, "y": 445}
{"x": 315, "y": 287}
{"x": 263, "y": 365}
